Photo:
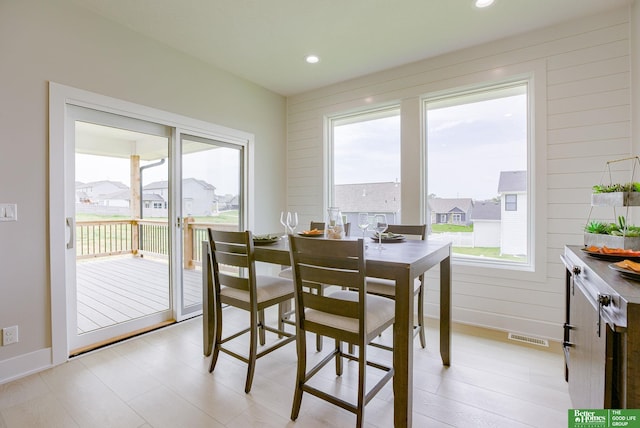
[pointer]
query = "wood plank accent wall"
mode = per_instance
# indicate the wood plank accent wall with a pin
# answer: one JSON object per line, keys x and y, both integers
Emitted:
{"x": 586, "y": 121}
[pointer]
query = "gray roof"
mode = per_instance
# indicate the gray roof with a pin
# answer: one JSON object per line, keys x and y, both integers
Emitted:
{"x": 152, "y": 197}
{"x": 368, "y": 197}
{"x": 512, "y": 181}
{"x": 120, "y": 194}
{"x": 164, "y": 184}
{"x": 447, "y": 205}
{"x": 486, "y": 210}
{"x": 117, "y": 184}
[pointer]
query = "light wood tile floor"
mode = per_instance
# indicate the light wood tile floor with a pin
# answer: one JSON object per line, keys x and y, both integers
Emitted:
{"x": 161, "y": 379}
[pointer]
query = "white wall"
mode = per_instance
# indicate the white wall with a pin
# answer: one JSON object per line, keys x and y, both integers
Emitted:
{"x": 42, "y": 41}
{"x": 582, "y": 78}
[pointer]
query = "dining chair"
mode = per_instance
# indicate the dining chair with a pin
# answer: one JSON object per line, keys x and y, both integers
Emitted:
{"x": 236, "y": 284}
{"x": 348, "y": 315}
{"x": 387, "y": 288}
{"x": 319, "y": 288}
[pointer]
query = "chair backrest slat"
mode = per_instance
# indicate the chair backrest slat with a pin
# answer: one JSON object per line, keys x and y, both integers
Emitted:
{"x": 233, "y": 281}
{"x": 317, "y": 225}
{"x": 234, "y": 249}
{"x": 239, "y": 260}
{"x": 322, "y": 275}
{"x": 328, "y": 262}
{"x": 418, "y": 230}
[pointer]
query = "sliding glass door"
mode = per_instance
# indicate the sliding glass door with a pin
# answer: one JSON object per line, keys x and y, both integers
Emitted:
{"x": 118, "y": 205}
{"x": 211, "y": 195}
{"x": 133, "y": 190}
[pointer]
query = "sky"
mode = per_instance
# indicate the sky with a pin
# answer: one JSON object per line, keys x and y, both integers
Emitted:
{"x": 467, "y": 147}
{"x": 217, "y": 167}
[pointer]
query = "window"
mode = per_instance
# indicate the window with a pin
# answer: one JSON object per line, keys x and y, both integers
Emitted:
{"x": 365, "y": 164}
{"x": 477, "y": 148}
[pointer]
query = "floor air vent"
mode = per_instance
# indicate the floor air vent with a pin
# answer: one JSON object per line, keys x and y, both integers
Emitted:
{"x": 528, "y": 339}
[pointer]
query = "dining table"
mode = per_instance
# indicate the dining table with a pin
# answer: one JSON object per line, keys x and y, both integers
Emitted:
{"x": 399, "y": 261}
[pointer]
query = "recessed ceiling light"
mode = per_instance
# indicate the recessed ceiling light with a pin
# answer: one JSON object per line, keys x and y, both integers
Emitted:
{"x": 312, "y": 59}
{"x": 484, "y": 3}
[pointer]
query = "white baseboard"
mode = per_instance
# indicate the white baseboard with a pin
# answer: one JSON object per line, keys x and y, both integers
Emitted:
{"x": 24, "y": 365}
{"x": 530, "y": 327}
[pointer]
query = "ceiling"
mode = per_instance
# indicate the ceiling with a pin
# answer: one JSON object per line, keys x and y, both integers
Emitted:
{"x": 266, "y": 41}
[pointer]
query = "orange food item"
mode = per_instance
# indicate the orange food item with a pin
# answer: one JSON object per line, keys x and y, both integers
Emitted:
{"x": 313, "y": 232}
{"x": 613, "y": 251}
{"x": 628, "y": 264}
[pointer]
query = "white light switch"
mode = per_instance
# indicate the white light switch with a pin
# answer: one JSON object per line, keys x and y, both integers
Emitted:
{"x": 8, "y": 212}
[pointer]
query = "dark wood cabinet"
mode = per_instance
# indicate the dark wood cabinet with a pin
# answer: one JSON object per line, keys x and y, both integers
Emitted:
{"x": 601, "y": 334}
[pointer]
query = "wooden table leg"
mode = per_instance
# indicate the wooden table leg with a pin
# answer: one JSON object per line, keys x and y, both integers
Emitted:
{"x": 403, "y": 351}
{"x": 445, "y": 310}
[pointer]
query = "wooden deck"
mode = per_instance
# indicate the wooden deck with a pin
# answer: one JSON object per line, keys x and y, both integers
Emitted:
{"x": 112, "y": 290}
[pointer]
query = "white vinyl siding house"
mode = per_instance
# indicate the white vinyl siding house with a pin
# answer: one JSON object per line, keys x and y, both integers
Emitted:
{"x": 512, "y": 189}
{"x": 198, "y": 198}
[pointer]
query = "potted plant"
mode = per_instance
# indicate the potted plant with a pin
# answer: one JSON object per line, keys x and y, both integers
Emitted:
{"x": 616, "y": 195}
{"x": 612, "y": 235}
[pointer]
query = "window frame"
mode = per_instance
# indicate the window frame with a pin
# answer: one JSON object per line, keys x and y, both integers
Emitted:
{"x": 344, "y": 118}
{"x": 533, "y": 74}
{"x": 513, "y": 203}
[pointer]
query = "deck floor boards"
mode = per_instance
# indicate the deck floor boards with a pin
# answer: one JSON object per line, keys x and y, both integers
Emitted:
{"x": 117, "y": 289}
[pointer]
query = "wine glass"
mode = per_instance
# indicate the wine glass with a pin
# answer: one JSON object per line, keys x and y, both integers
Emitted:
{"x": 380, "y": 225}
{"x": 283, "y": 221}
{"x": 363, "y": 222}
{"x": 292, "y": 221}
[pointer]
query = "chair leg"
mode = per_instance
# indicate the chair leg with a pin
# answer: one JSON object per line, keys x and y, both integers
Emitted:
{"x": 423, "y": 341}
{"x": 283, "y": 309}
{"x": 362, "y": 382}
{"x": 261, "y": 327}
{"x": 217, "y": 337}
{"x": 338, "y": 358}
{"x": 301, "y": 347}
{"x": 319, "y": 337}
{"x": 253, "y": 345}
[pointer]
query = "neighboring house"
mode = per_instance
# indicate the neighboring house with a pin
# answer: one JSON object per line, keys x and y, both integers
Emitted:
{"x": 198, "y": 197}
{"x": 121, "y": 198}
{"x": 372, "y": 198}
{"x": 451, "y": 210}
{"x": 90, "y": 193}
{"x": 154, "y": 205}
{"x": 486, "y": 223}
{"x": 512, "y": 188}
{"x": 228, "y": 202}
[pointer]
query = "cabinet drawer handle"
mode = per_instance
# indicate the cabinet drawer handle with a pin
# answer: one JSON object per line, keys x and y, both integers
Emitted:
{"x": 603, "y": 300}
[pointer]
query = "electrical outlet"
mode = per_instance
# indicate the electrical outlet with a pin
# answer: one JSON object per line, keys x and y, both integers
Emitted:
{"x": 9, "y": 335}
